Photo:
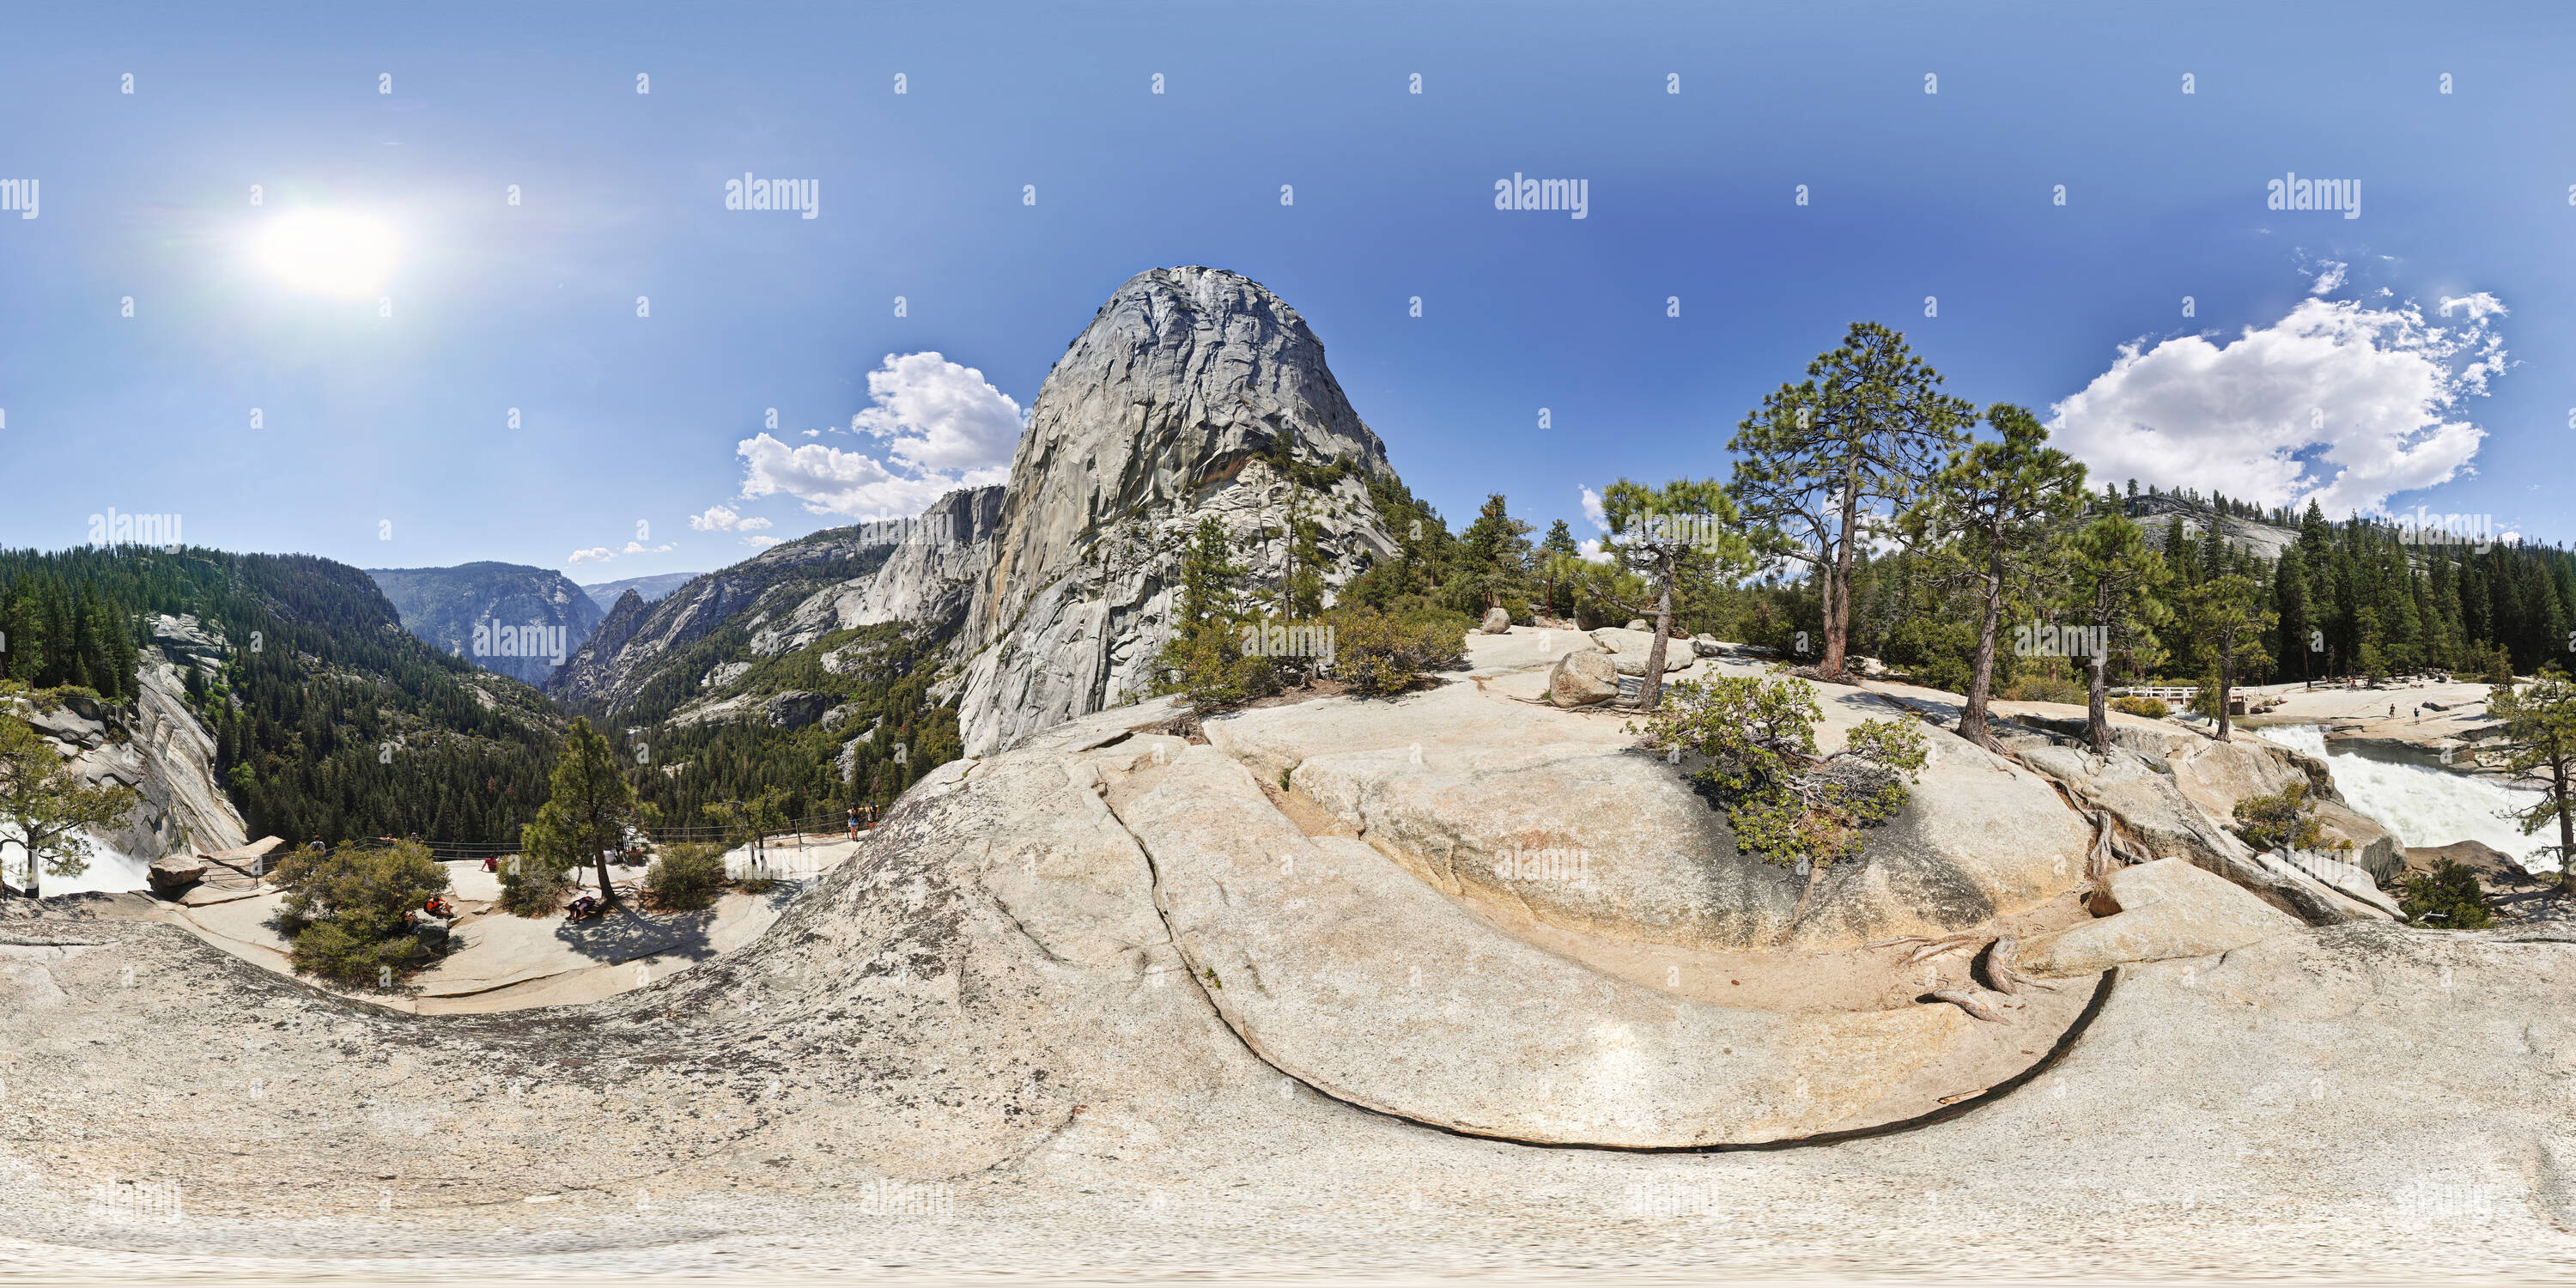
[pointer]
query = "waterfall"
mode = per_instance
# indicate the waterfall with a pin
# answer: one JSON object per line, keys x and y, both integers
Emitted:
{"x": 109, "y": 869}
{"x": 2423, "y": 805}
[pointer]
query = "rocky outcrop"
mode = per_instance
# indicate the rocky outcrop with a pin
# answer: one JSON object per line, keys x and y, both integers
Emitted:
{"x": 1170, "y": 408}
{"x": 157, "y": 746}
{"x": 929, "y": 578}
{"x": 2160, "y": 910}
{"x": 796, "y": 708}
{"x": 637, "y": 640}
{"x": 484, "y": 612}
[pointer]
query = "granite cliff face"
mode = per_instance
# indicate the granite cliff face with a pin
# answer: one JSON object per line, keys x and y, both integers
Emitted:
{"x": 156, "y": 745}
{"x": 1175, "y": 404}
{"x": 932, "y": 569}
{"x": 637, "y": 641}
{"x": 1194, "y": 393}
{"x": 481, "y": 612}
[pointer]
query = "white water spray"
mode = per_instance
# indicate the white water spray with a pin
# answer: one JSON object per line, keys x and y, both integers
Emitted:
{"x": 2425, "y": 806}
{"x": 109, "y": 869}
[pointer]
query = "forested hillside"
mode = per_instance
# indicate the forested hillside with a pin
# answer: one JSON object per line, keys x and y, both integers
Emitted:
{"x": 330, "y": 720}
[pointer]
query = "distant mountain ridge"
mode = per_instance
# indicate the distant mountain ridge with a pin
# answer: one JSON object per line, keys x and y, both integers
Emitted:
{"x": 2154, "y": 510}
{"x": 321, "y": 718}
{"x": 605, "y": 593}
{"x": 483, "y": 612}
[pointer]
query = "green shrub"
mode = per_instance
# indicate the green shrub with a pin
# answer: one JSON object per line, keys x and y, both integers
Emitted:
{"x": 2447, "y": 898}
{"x": 2287, "y": 821}
{"x": 2046, "y": 688}
{"x": 344, "y": 909}
{"x": 531, "y": 886}
{"x": 1786, "y": 804}
{"x": 2151, "y": 708}
{"x": 1208, "y": 667}
{"x": 1380, "y": 653}
{"x": 685, "y": 877}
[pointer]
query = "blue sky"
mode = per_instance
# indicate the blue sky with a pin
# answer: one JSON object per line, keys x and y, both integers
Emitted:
{"x": 2362, "y": 392}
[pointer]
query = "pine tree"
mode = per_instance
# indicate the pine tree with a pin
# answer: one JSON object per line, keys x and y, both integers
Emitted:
{"x": 587, "y": 816}
{"x": 1997, "y": 514}
{"x": 1493, "y": 562}
{"x": 1660, "y": 532}
{"x": 1819, "y": 459}
{"x": 2224, "y": 612}
{"x": 2116, "y": 580}
{"x": 2540, "y": 740}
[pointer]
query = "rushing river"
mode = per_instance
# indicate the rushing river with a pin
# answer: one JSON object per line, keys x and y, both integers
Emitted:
{"x": 2424, "y": 806}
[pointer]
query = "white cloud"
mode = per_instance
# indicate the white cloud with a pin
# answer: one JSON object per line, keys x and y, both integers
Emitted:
{"x": 1590, "y": 548}
{"x": 2479, "y": 306}
{"x": 1592, "y": 510}
{"x": 2338, "y": 402}
{"x": 941, "y": 416}
{"x": 949, "y": 429}
{"x": 596, "y": 554}
{"x": 639, "y": 548}
{"x": 720, "y": 518}
{"x": 2330, "y": 274}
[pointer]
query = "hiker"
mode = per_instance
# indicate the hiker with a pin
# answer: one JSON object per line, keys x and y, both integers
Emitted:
{"x": 854, "y": 822}
{"x": 582, "y": 906}
{"x": 491, "y": 863}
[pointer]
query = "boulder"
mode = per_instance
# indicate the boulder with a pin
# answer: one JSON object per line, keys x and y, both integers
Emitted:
{"x": 172, "y": 874}
{"x": 1583, "y": 679}
{"x": 1497, "y": 622}
{"x": 2492, "y": 865}
{"x": 1639, "y": 624}
{"x": 2374, "y": 848}
{"x": 1630, "y": 649}
{"x": 432, "y": 933}
{"x": 2168, "y": 908}
{"x": 797, "y": 708}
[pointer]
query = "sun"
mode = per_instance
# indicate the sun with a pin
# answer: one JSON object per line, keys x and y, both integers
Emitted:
{"x": 328, "y": 252}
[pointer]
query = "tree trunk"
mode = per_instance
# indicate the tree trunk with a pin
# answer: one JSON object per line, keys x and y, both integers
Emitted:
{"x": 2097, "y": 706}
{"x": 1981, "y": 680}
{"x": 2226, "y": 682}
{"x": 1650, "y": 693}
{"x": 2566, "y": 826}
{"x": 1837, "y": 599}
